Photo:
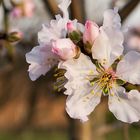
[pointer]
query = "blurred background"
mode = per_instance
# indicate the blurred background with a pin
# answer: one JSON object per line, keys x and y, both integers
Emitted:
{"x": 34, "y": 110}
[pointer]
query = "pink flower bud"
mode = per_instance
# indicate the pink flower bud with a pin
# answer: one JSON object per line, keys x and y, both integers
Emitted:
{"x": 14, "y": 36}
{"x": 64, "y": 48}
{"x": 70, "y": 27}
{"x": 91, "y": 32}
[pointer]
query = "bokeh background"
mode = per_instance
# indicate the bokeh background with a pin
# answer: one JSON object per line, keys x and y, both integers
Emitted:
{"x": 34, "y": 110}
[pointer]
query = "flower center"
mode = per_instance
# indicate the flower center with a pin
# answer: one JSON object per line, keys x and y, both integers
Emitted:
{"x": 105, "y": 80}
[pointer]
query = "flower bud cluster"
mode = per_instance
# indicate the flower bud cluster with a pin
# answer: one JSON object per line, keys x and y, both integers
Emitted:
{"x": 76, "y": 40}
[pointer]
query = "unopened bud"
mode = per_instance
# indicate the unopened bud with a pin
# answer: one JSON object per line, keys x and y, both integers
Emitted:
{"x": 14, "y": 36}
{"x": 91, "y": 32}
{"x": 73, "y": 33}
{"x": 65, "y": 49}
{"x": 71, "y": 27}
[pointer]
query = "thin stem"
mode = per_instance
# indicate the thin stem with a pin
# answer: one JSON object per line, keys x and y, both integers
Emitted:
{"x": 2, "y": 36}
{"x": 6, "y": 17}
{"x": 1, "y": 1}
{"x": 128, "y": 8}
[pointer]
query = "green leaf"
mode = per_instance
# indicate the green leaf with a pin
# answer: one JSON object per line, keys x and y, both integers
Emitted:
{"x": 75, "y": 36}
{"x": 120, "y": 82}
{"x": 14, "y": 37}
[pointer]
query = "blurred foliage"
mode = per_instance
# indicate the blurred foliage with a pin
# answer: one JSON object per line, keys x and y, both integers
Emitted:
{"x": 134, "y": 133}
{"x": 31, "y": 135}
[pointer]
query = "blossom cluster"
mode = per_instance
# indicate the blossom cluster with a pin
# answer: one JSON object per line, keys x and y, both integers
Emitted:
{"x": 94, "y": 62}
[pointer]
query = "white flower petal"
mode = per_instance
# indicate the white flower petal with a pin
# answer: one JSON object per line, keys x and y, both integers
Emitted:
{"x": 57, "y": 28}
{"x": 36, "y": 70}
{"x": 116, "y": 43}
{"x": 64, "y": 8}
{"x": 34, "y": 55}
{"x": 69, "y": 90}
{"x": 112, "y": 19}
{"x": 41, "y": 60}
{"x": 112, "y": 27}
{"x": 129, "y": 67}
{"x": 101, "y": 49}
{"x": 108, "y": 45}
{"x": 125, "y": 106}
{"x": 78, "y": 67}
{"x": 54, "y": 31}
{"x": 80, "y": 27}
{"x": 82, "y": 102}
{"x": 78, "y": 72}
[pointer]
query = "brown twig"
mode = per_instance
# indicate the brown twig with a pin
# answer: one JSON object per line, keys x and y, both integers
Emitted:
{"x": 51, "y": 7}
{"x": 77, "y": 10}
{"x": 1, "y": 1}
{"x": 128, "y": 8}
{"x": 6, "y": 17}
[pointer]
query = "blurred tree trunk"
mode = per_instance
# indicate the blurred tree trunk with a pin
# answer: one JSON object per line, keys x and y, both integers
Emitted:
{"x": 90, "y": 130}
{"x": 51, "y": 7}
{"x": 126, "y": 131}
{"x": 99, "y": 119}
{"x": 77, "y": 10}
{"x": 86, "y": 131}
{"x": 80, "y": 131}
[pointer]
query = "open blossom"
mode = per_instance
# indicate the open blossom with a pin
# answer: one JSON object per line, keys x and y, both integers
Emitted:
{"x": 87, "y": 82}
{"x": 64, "y": 48}
{"x": 42, "y": 58}
{"x": 103, "y": 73}
{"x": 91, "y": 32}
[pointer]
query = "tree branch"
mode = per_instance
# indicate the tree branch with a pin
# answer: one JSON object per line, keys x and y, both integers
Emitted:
{"x": 51, "y": 7}
{"x": 130, "y": 6}
{"x": 77, "y": 10}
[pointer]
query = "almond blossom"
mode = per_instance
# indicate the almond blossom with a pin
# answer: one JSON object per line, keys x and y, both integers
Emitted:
{"x": 87, "y": 82}
{"x": 52, "y": 40}
{"x": 94, "y": 61}
{"x": 42, "y": 58}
